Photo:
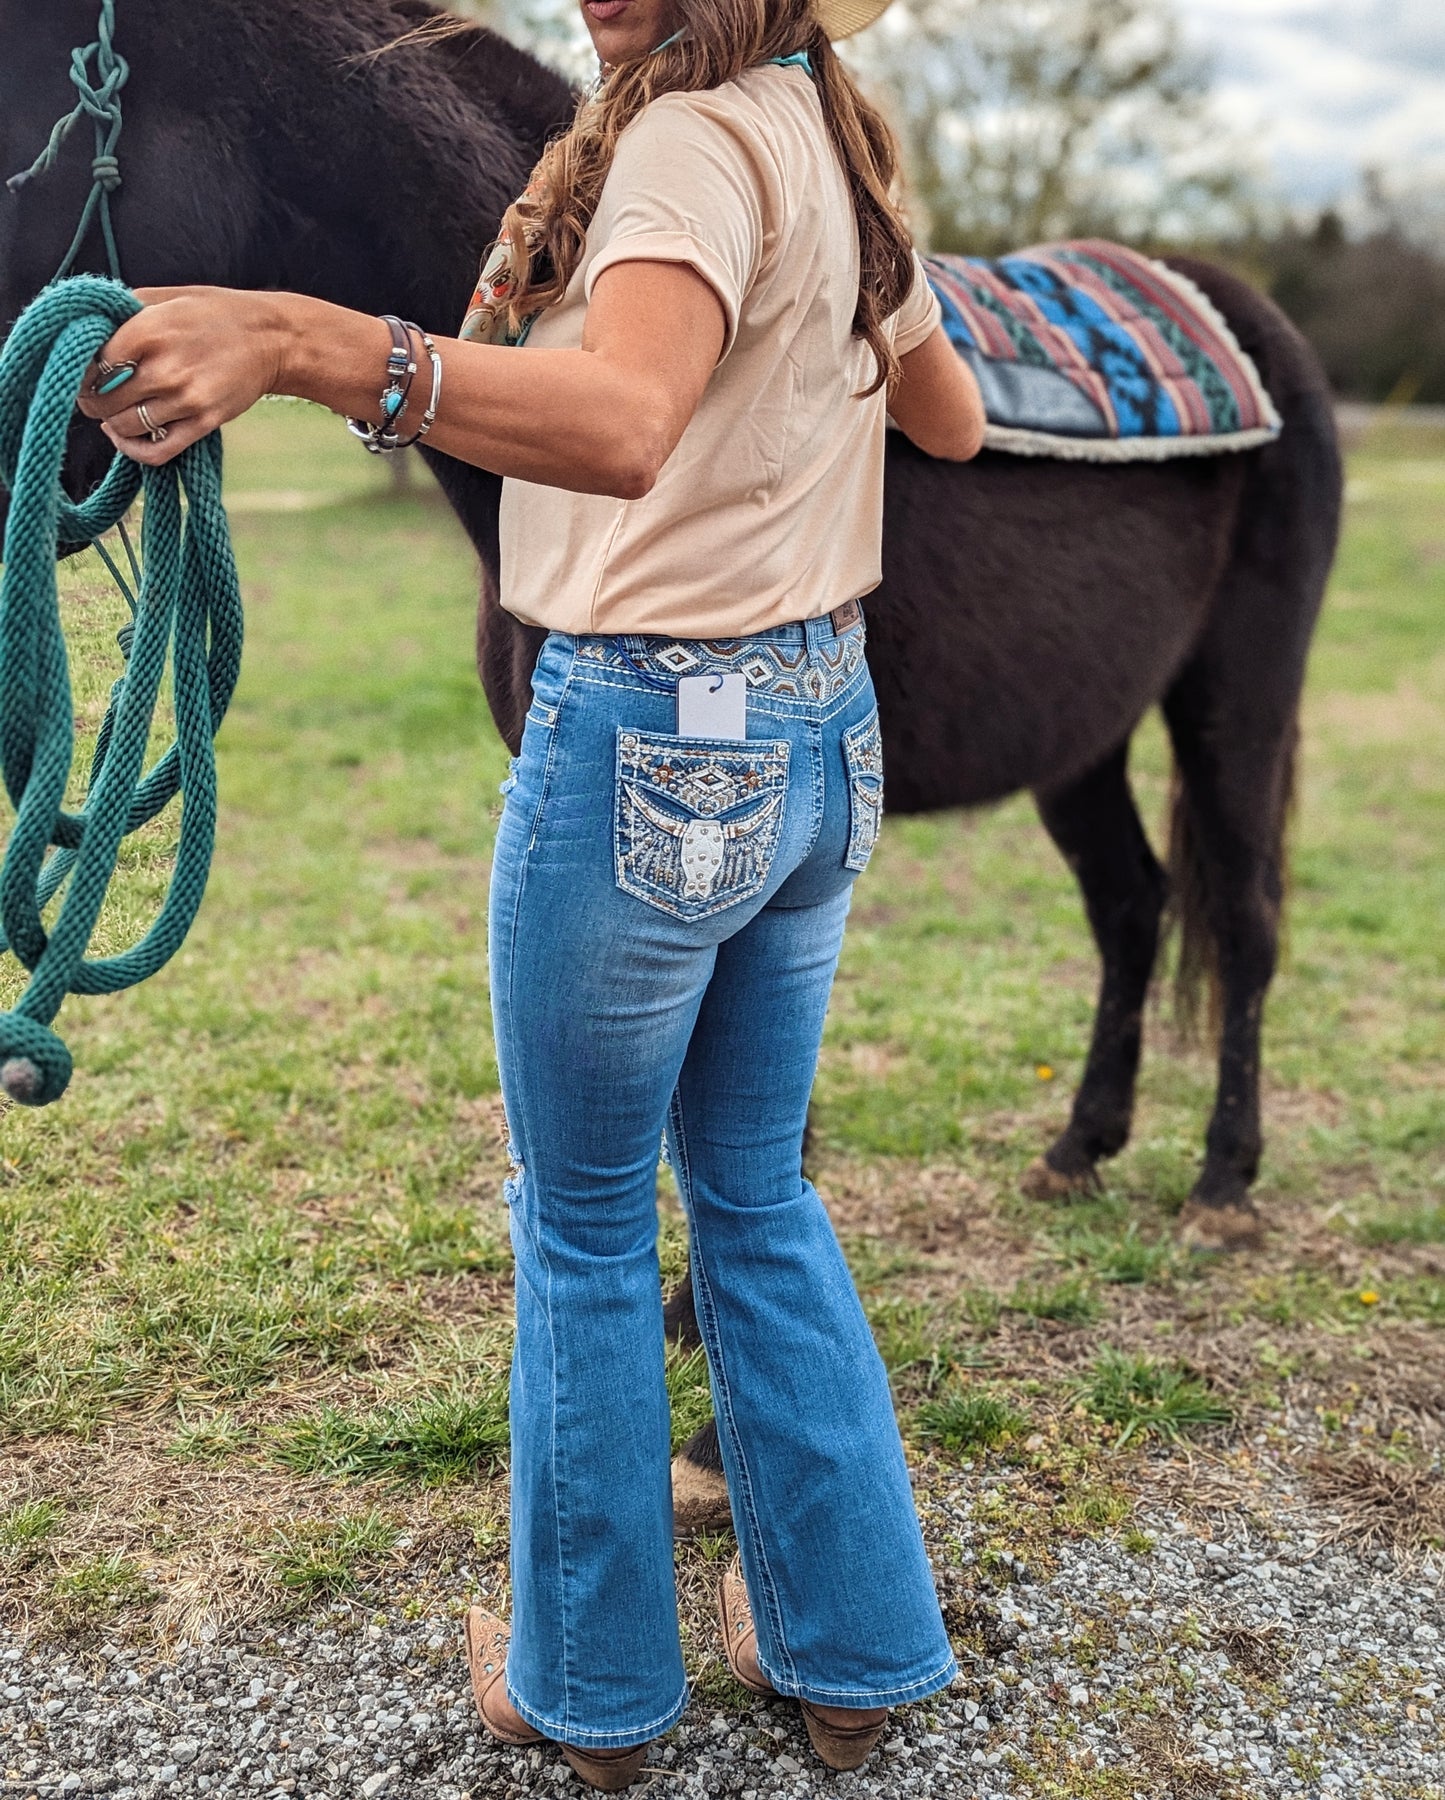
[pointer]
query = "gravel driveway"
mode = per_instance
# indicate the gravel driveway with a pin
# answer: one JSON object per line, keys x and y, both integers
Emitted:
{"x": 1210, "y": 1662}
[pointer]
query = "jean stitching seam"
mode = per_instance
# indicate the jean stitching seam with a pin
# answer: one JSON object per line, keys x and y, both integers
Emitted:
{"x": 534, "y": 1237}
{"x": 820, "y": 793}
{"x": 551, "y": 757}
{"x": 541, "y": 1722}
{"x": 892, "y": 1695}
{"x": 702, "y": 1289}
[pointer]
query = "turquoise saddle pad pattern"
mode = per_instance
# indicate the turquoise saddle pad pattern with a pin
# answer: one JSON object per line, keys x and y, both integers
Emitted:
{"x": 1091, "y": 351}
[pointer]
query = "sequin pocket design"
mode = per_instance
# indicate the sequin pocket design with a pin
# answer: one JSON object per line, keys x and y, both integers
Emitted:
{"x": 697, "y": 819}
{"x": 863, "y": 753}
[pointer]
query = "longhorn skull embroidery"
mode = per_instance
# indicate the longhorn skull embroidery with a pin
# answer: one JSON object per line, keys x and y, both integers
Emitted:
{"x": 701, "y": 841}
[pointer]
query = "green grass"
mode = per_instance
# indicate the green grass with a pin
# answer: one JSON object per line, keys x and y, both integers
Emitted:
{"x": 1108, "y": 1242}
{"x": 688, "y": 1392}
{"x": 1071, "y": 1301}
{"x": 982, "y": 1308}
{"x": 1422, "y": 1224}
{"x": 916, "y": 1349}
{"x": 88, "y": 1594}
{"x": 1089, "y": 1510}
{"x": 967, "y": 1419}
{"x": 26, "y": 1525}
{"x": 1148, "y": 1398}
{"x": 212, "y": 1437}
{"x": 440, "y": 1438}
{"x": 316, "y": 1561}
{"x": 263, "y": 1229}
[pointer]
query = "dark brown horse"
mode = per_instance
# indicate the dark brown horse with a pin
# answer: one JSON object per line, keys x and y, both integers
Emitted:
{"x": 1030, "y": 613}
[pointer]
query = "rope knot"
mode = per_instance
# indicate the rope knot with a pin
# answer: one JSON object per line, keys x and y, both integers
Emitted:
{"x": 35, "y": 1065}
{"x": 106, "y": 171}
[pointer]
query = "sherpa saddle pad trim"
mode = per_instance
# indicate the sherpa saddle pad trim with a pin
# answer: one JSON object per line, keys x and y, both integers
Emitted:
{"x": 1090, "y": 351}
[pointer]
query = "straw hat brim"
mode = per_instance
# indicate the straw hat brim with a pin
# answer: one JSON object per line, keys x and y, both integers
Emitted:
{"x": 841, "y": 18}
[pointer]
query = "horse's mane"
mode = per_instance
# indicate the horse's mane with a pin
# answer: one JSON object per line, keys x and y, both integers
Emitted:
{"x": 453, "y": 85}
{"x": 536, "y": 100}
{"x": 297, "y": 116}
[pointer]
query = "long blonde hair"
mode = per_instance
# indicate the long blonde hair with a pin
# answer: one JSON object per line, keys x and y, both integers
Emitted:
{"x": 717, "y": 40}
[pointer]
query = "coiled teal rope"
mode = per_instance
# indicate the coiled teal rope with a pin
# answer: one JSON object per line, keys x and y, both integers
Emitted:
{"x": 188, "y": 608}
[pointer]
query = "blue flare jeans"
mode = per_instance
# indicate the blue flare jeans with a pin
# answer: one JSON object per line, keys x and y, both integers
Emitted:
{"x": 666, "y": 916}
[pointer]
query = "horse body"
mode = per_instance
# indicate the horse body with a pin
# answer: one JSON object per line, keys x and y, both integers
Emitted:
{"x": 1030, "y": 612}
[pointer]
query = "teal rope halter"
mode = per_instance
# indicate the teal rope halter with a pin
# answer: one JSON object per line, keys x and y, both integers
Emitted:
{"x": 188, "y": 609}
{"x": 100, "y": 99}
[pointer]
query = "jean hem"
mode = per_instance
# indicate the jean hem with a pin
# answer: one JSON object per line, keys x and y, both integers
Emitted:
{"x": 932, "y": 1683}
{"x": 627, "y": 1738}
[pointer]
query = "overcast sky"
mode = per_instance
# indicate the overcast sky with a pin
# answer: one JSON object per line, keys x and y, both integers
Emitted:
{"x": 1328, "y": 87}
{"x": 1320, "y": 88}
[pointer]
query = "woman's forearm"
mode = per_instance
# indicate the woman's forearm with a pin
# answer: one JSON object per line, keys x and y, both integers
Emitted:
{"x": 601, "y": 419}
{"x": 567, "y": 418}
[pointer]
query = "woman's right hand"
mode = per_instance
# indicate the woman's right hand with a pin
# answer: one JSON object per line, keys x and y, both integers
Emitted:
{"x": 202, "y": 355}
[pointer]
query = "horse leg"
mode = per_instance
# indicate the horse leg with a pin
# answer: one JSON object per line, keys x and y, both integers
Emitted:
{"x": 1233, "y": 712}
{"x": 679, "y": 1316}
{"x": 1095, "y": 824}
{"x": 1228, "y": 861}
{"x": 699, "y": 1489}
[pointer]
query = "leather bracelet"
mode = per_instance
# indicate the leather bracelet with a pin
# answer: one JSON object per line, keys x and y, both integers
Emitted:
{"x": 381, "y": 438}
{"x": 428, "y": 418}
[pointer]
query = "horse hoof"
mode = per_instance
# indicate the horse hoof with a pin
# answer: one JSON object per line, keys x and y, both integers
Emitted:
{"x": 1041, "y": 1181}
{"x": 1213, "y": 1229}
{"x": 699, "y": 1499}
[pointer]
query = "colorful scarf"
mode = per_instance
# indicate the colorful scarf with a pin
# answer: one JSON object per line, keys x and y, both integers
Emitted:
{"x": 489, "y": 317}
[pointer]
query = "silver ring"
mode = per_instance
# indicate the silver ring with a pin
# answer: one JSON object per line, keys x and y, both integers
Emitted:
{"x": 156, "y": 433}
{"x": 105, "y": 370}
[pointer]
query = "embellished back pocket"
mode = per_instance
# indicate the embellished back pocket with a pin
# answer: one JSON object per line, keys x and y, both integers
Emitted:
{"x": 863, "y": 753}
{"x": 697, "y": 819}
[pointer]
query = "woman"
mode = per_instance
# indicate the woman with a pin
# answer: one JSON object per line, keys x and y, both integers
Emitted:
{"x": 718, "y": 300}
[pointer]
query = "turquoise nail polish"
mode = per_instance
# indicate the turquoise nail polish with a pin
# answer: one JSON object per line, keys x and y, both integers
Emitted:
{"x": 119, "y": 379}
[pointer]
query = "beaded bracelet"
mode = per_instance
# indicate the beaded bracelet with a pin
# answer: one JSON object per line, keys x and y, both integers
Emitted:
{"x": 381, "y": 438}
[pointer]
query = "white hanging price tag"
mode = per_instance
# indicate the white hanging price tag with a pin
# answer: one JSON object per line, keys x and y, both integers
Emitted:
{"x": 712, "y": 706}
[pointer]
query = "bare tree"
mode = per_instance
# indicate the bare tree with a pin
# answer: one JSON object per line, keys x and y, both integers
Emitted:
{"x": 1371, "y": 300}
{"x": 1024, "y": 120}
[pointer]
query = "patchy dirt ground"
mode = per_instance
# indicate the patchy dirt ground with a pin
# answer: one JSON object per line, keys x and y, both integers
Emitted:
{"x": 1250, "y": 1605}
{"x": 1233, "y": 1646}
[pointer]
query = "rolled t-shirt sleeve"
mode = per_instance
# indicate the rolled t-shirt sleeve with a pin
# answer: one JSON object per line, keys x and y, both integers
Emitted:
{"x": 914, "y": 322}
{"x": 685, "y": 186}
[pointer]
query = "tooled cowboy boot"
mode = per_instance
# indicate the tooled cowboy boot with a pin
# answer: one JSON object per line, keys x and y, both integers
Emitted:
{"x": 842, "y": 1736}
{"x": 487, "y": 1638}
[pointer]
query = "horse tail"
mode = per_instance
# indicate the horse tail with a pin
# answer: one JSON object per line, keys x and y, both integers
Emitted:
{"x": 1233, "y": 708}
{"x": 1196, "y": 966}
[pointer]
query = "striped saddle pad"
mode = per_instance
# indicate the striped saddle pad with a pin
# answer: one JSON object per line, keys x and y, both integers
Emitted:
{"x": 1091, "y": 351}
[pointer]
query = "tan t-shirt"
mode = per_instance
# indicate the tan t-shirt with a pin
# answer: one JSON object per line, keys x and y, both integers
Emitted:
{"x": 770, "y": 509}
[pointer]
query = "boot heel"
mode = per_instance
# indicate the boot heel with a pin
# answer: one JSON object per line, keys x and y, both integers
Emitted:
{"x": 841, "y": 1746}
{"x": 608, "y": 1770}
